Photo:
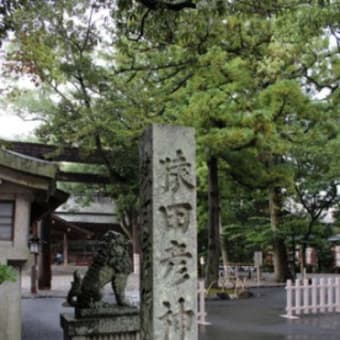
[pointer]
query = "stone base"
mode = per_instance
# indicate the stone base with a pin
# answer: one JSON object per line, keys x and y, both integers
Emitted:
{"x": 10, "y": 308}
{"x": 114, "y": 323}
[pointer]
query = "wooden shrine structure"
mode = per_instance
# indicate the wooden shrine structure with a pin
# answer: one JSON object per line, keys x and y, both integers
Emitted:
{"x": 73, "y": 232}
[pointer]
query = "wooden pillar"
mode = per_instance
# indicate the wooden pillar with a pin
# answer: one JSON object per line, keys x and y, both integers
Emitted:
{"x": 65, "y": 249}
{"x": 45, "y": 273}
{"x": 34, "y": 268}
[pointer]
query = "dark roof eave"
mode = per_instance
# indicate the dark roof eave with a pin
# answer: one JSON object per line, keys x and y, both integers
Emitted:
{"x": 72, "y": 226}
{"x": 42, "y": 207}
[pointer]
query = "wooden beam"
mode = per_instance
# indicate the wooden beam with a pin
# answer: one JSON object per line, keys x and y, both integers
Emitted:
{"x": 66, "y": 154}
{"x": 78, "y": 177}
{"x": 72, "y": 226}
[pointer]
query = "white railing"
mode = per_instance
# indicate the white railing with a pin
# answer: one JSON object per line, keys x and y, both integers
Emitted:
{"x": 201, "y": 312}
{"x": 318, "y": 295}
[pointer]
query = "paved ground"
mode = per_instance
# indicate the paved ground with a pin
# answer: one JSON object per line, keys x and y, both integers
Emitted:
{"x": 254, "y": 319}
{"x": 40, "y": 318}
{"x": 257, "y": 318}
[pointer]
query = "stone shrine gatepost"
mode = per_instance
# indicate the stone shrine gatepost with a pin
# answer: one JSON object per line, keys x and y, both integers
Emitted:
{"x": 169, "y": 234}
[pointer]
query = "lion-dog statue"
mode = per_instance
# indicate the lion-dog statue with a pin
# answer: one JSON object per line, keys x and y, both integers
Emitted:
{"x": 112, "y": 263}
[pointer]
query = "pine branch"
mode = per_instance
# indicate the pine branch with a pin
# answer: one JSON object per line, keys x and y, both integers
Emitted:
{"x": 155, "y": 5}
{"x": 141, "y": 30}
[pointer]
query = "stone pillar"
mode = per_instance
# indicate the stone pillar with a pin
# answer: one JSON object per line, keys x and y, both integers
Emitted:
{"x": 169, "y": 246}
{"x": 10, "y": 307}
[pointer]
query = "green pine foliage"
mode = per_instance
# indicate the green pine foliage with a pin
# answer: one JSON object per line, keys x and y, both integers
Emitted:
{"x": 259, "y": 81}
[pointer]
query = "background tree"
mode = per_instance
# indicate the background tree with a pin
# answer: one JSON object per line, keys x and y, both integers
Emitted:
{"x": 60, "y": 48}
{"x": 242, "y": 73}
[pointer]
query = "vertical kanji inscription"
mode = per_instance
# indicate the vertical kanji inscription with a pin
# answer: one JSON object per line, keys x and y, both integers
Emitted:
{"x": 168, "y": 218}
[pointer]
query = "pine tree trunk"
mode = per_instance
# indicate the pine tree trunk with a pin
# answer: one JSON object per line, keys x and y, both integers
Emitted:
{"x": 223, "y": 245}
{"x": 213, "y": 224}
{"x": 136, "y": 248}
{"x": 280, "y": 258}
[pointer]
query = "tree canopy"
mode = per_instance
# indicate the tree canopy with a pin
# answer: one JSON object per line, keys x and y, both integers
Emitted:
{"x": 259, "y": 81}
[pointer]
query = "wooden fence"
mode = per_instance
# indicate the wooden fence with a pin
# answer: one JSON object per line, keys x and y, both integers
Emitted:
{"x": 316, "y": 295}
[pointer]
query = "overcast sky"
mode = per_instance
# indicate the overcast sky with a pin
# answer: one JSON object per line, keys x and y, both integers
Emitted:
{"x": 13, "y": 127}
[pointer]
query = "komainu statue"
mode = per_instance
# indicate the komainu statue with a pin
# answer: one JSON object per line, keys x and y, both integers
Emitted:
{"x": 112, "y": 264}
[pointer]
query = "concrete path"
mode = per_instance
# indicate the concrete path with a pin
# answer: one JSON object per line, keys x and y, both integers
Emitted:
{"x": 257, "y": 318}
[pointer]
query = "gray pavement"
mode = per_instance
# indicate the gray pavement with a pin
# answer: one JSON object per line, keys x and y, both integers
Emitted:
{"x": 40, "y": 318}
{"x": 257, "y": 318}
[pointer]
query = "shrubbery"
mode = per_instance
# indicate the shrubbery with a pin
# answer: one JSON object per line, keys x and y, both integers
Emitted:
{"x": 6, "y": 273}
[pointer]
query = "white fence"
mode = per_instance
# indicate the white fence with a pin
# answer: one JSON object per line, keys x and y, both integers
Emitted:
{"x": 317, "y": 295}
{"x": 201, "y": 312}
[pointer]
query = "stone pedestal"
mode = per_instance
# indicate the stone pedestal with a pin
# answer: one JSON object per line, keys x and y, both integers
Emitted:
{"x": 107, "y": 323}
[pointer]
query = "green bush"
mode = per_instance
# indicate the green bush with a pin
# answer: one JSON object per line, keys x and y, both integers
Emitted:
{"x": 6, "y": 273}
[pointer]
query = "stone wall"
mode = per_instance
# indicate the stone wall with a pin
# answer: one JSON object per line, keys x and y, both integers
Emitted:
{"x": 14, "y": 253}
{"x": 10, "y": 309}
{"x": 17, "y": 250}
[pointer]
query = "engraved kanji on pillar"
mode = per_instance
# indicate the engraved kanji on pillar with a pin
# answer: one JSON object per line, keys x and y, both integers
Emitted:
{"x": 168, "y": 218}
